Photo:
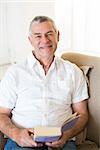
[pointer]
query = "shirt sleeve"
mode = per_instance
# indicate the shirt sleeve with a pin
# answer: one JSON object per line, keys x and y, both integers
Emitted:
{"x": 80, "y": 90}
{"x": 8, "y": 94}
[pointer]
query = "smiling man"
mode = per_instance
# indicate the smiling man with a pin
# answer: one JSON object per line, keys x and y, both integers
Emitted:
{"x": 44, "y": 38}
{"x": 43, "y": 90}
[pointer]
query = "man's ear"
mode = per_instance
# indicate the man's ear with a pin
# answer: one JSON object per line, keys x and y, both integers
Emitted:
{"x": 30, "y": 39}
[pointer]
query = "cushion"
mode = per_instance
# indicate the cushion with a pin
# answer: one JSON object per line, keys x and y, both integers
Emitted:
{"x": 86, "y": 70}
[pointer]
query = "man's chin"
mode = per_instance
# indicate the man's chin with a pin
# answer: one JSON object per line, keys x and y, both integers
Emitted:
{"x": 45, "y": 48}
{"x": 46, "y": 54}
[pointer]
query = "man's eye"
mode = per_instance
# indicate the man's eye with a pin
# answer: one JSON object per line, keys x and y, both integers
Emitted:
{"x": 50, "y": 34}
{"x": 38, "y": 36}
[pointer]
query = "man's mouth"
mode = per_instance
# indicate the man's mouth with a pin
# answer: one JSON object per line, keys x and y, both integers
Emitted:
{"x": 46, "y": 46}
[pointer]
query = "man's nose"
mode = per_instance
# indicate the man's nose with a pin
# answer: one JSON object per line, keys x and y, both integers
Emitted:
{"x": 44, "y": 39}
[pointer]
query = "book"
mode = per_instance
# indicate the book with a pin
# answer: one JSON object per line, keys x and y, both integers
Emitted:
{"x": 50, "y": 134}
{"x": 46, "y": 134}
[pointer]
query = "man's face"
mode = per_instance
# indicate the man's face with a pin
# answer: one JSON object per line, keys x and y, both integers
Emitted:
{"x": 44, "y": 39}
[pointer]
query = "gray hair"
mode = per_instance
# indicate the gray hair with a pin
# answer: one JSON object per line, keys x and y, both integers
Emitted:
{"x": 40, "y": 19}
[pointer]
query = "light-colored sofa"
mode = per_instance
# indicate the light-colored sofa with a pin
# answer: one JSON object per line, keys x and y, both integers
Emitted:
{"x": 89, "y": 139}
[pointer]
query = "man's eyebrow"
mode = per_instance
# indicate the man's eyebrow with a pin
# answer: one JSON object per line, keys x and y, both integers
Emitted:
{"x": 36, "y": 33}
{"x": 50, "y": 31}
{"x": 45, "y": 33}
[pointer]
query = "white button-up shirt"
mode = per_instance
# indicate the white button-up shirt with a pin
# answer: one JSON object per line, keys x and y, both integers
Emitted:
{"x": 39, "y": 99}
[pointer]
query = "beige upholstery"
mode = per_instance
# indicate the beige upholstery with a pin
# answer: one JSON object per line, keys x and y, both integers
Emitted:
{"x": 93, "y": 127}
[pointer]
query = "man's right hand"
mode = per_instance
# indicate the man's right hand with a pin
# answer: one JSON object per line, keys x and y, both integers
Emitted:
{"x": 24, "y": 138}
{"x": 21, "y": 136}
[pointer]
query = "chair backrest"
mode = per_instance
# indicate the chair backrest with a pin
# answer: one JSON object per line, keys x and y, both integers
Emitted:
{"x": 93, "y": 127}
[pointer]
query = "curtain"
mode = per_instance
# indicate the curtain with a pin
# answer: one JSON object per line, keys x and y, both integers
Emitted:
{"x": 4, "y": 50}
{"x": 79, "y": 23}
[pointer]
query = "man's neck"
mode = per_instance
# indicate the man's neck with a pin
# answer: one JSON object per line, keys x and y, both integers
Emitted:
{"x": 45, "y": 62}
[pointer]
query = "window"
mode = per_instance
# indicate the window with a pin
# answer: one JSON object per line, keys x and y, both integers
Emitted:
{"x": 79, "y": 23}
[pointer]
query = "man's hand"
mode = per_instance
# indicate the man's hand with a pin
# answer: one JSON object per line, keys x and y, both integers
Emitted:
{"x": 24, "y": 138}
{"x": 57, "y": 144}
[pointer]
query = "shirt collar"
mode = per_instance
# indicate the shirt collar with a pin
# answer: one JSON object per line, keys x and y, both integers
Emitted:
{"x": 33, "y": 61}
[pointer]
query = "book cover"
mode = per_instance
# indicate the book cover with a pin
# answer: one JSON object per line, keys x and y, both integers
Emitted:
{"x": 50, "y": 134}
{"x": 46, "y": 134}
